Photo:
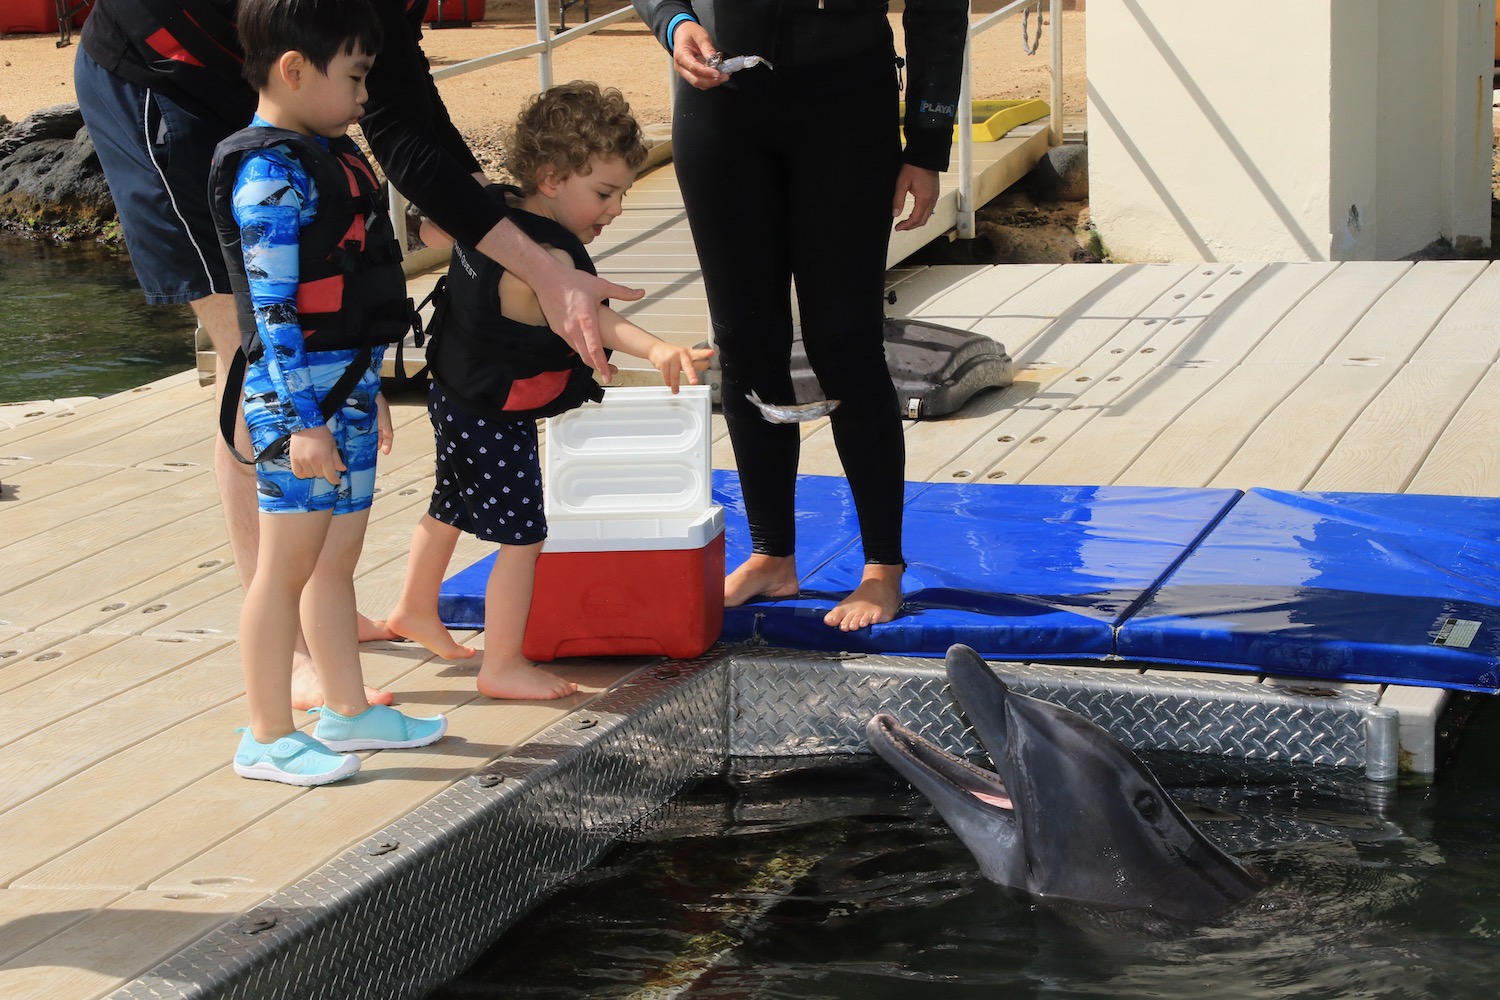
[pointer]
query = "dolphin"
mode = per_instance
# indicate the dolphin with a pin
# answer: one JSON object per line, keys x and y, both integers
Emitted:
{"x": 1072, "y": 817}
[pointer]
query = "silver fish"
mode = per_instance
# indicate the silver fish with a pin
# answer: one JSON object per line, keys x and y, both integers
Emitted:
{"x": 792, "y": 413}
{"x": 736, "y": 63}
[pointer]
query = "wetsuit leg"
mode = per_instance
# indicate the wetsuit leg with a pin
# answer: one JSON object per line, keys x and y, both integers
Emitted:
{"x": 842, "y": 220}
{"x": 734, "y": 174}
{"x": 769, "y": 195}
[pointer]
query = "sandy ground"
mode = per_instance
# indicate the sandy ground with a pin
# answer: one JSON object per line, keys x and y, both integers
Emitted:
{"x": 35, "y": 73}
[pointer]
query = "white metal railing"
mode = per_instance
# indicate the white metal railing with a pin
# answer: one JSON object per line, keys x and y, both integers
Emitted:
{"x": 541, "y": 48}
{"x": 546, "y": 42}
{"x": 964, "y": 222}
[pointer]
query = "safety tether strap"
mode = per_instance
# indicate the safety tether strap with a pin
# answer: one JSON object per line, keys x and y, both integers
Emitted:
{"x": 234, "y": 385}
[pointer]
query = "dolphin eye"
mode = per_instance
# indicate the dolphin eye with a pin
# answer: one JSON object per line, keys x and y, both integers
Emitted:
{"x": 1147, "y": 805}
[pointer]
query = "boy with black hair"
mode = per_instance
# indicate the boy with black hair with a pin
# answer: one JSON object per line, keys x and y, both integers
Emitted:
{"x": 159, "y": 84}
{"x": 319, "y": 292}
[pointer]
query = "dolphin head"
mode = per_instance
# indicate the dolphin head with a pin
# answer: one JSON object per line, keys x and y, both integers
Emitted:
{"x": 1071, "y": 815}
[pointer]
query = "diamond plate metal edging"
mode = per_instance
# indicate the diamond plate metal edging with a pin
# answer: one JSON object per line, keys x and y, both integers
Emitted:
{"x": 432, "y": 891}
{"x": 416, "y": 903}
{"x": 784, "y": 702}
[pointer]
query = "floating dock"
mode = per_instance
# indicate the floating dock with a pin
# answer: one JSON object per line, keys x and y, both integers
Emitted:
{"x": 137, "y": 865}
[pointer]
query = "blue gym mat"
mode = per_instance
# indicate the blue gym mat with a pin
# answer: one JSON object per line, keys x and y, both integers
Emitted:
{"x": 1010, "y": 570}
{"x": 1402, "y": 588}
{"x": 1340, "y": 586}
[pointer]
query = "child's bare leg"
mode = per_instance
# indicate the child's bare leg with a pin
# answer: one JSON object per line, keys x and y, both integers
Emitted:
{"x": 761, "y": 576}
{"x": 288, "y": 550}
{"x": 374, "y": 629}
{"x": 237, "y": 494}
{"x": 329, "y": 617}
{"x": 876, "y": 599}
{"x": 415, "y": 615}
{"x": 506, "y": 672}
{"x": 306, "y": 692}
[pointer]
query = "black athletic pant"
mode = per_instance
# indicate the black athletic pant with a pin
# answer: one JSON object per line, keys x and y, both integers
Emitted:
{"x": 784, "y": 187}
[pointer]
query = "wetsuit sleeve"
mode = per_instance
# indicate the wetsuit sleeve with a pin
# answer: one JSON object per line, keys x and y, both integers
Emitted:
{"x": 272, "y": 199}
{"x": 414, "y": 139}
{"x": 661, "y": 16}
{"x": 936, "y": 31}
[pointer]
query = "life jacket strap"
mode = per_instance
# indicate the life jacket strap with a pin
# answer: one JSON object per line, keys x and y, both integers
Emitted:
{"x": 234, "y": 389}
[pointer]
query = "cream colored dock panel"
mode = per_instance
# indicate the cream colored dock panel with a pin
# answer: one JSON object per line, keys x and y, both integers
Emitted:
{"x": 1113, "y": 419}
{"x": 1290, "y": 442}
{"x": 1194, "y": 449}
{"x": 27, "y": 917}
{"x": 109, "y": 946}
{"x": 958, "y": 294}
{"x": 1160, "y": 400}
{"x": 29, "y": 656}
{"x": 1466, "y": 459}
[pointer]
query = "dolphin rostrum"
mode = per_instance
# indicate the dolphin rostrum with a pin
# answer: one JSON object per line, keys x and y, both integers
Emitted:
{"x": 1072, "y": 817}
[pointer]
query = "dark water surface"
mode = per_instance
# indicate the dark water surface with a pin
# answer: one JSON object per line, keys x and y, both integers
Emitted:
{"x": 73, "y": 322}
{"x": 836, "y": 880}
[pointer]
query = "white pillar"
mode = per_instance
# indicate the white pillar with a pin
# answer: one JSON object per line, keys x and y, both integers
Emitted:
{"x": 1289, "y": 129}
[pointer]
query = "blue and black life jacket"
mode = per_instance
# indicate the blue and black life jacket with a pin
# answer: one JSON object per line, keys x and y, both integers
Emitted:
{"x": 352, "y": 291}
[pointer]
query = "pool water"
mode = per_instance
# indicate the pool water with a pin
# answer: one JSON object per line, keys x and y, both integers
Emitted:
{"x": 73, "y": 322}
{"x": 834, "y": 879}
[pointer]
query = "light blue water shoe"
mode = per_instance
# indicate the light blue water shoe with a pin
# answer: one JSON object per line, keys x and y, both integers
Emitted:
{"x": 295, "y": 759}
{"x": 379, "y": 727}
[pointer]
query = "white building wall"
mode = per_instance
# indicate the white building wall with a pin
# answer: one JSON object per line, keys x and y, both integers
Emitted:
{"x": 1288, "y": 129}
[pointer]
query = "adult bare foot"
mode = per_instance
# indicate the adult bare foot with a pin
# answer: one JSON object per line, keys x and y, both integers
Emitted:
{"x": 522, "y": 682}
{"x": 761, "y": 576}
{"x": 373, "y": 629}
{"x": 876, "y": 599}
{"x": 428, "y": 631}
{"x": 306, "y": 692}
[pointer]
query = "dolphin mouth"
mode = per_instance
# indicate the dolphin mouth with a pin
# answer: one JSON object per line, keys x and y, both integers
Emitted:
{"x": 931, "y": 768}
{"x": 1069, "y": 814}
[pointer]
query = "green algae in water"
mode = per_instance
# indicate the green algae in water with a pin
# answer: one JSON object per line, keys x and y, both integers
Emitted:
{"x": 74, "y": 322}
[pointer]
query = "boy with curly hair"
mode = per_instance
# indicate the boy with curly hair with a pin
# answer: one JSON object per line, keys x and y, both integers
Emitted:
{"x": 497, "y": 368}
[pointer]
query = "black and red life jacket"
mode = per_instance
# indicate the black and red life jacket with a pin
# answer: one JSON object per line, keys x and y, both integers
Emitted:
{"x": 352, "y": 291}
{"x": 191, "y": 50}
{"x": 490, "y": 365}
{"x": 187, "y": 47}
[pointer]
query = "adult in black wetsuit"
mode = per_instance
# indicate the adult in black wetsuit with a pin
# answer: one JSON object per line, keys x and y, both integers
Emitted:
{"x": 794, "y": 173}
{"x": 159, "y": 85}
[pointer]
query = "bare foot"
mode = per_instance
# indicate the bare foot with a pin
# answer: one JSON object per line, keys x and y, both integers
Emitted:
{"x": 306, "y": 693}
{"x": 428, "y": 631}
{"x": 373, "y": 629}
{"x": 522, "y": 681}
{"x": 876, "y": 599}
{"x": 761, "y": 576}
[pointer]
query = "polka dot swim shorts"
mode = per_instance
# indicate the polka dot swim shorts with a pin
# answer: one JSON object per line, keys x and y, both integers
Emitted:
{"x": 489, "y": 476}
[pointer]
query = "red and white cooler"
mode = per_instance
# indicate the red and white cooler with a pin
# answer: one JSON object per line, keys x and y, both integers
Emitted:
{"x": 634, "y": 558}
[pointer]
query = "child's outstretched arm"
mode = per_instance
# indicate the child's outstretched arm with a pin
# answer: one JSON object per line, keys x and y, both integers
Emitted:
{"x": 619, "y": 334}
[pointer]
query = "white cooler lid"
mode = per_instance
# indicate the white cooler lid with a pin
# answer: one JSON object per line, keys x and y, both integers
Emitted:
{"x": 643, "y": 451}
{"x": 633, "y": 534}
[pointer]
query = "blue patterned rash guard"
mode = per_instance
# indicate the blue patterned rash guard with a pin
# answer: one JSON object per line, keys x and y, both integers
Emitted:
{"x": 274, "y": 198}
